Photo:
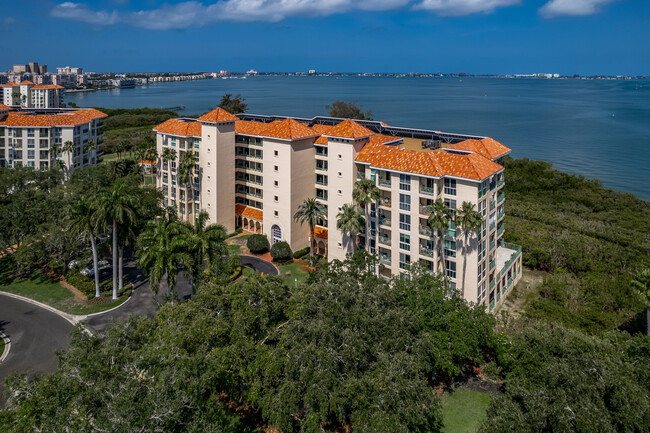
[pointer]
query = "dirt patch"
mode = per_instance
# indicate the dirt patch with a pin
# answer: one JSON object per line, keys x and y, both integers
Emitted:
{"x": 516, "y": 300}
{"x": 72, "y": 289}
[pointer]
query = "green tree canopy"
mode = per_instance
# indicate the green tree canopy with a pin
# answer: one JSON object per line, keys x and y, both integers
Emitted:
{"x": 233, "y": 104}
{"x": 347, "y": 110}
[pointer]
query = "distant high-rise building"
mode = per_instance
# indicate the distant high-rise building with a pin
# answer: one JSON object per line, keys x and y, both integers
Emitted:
{"x": 69, "y": 71}
{"x": 20, "y": 69}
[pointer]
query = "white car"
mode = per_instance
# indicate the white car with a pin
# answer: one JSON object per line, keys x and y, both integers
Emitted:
{"x": 89, "y": 272}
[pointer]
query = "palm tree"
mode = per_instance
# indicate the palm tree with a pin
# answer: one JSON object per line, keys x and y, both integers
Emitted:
{"x": 169, "y": 154}
{"x": 365, "y": 192}
{"x": 116, "y": 206}
{"x": 351, "y": 222}
{"x": 311, "y": 212}
{"x": 439, "y": 221}
{"x": 468, "y": 220}
{"x": 68, "y": 147}
{"x": 90, "y": 146}
{"x": 83, "y": 221}
{"x": 160, "y": 250}
{"x": 205, "y": 242}
{"x": 186, "y": 174}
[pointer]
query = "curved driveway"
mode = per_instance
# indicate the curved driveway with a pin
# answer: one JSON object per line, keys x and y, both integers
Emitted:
{"x": 35, "y": 335}
{"x": 259, "y": 265}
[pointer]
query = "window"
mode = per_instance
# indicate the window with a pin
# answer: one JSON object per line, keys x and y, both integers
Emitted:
{"x": 321, "y": 179}
{"x": 276, "y": 233}
{"x": 275, "y": 153}
{"x": 275, "y": 198}
{"x": 450, "y": 248}
{"x": 340, "y": 192}
{"x": 340, "y": 156}
{"x": 275, "y": 183}
{"x": 275, "y": 168}
{"x": 405, "y": 202}
{"x": 404, "y": 222}
{"x": 196, "y": 143}
{"x": 340, "y": 174}
{"x": 481, "y": 292}
{"x": 275, "y": 213}
{"x": 30, "y": 154}
{"x": 404, "y": 260}
{"x": 450, "y": 268}
{"x": 405, "y": 242}
{"x": 483, "y": 188}
{"x": 404, "y": 182}
{"x": 173, "y": 141}
{"x": 450, "y": 186}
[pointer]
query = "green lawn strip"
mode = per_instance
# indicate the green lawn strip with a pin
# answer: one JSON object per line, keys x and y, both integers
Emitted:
{"x": 463, "y": 410}
{"x": 2, "y": 346}
{"x": 297, "y": 275}
{"x": 53, "y": 294}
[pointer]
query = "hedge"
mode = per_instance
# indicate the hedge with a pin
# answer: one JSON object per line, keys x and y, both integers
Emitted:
{"x": 301, "y": 253}
{"x": 281, "y": 251}
{"x": 258, "y": 244}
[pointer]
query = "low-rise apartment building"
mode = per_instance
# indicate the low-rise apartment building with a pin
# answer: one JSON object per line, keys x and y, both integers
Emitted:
{"x": 27, "y": 135}
{"x": 253, "y": 172}
{"x": 30, "y": 95}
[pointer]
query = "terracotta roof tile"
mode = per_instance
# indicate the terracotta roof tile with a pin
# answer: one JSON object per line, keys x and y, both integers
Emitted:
{"x": 320, "y": 232}
{"x": 383, "y": 139}
{"x": 436, "y": 164}
{"x": 10, "y": 85}
{"x": 246, "y": 127}
{"x": 488, "y": 147}
{"x": 249, "y": 211}
{"x": 218, "y": 115}
{"x": 323, "y": 130}
{"x": 65, "y": 118}
{"x": 27, "y": 82}
{"x": 288, "y": 129}
{"x": 350, "y": 129}
{"x": 47, "y": 86}
{"x": 3, "y": 107}
{"x": 182, "y": 128}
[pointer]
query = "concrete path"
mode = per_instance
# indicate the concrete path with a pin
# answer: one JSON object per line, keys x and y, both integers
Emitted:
{"x": 35, "y": 335}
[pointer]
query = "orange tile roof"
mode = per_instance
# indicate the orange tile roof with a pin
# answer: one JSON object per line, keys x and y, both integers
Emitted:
{"x": 288, "y": 129}
{"x": 488, "y": 147}
{"x": 349, "y": 129}
{"x": 436, "y": 164}
{"x": 65, "y": 118}
{"x": 218, "y": 115}
{"x": 3, "y": 107}
{"x": 321, "y": 129}
{"x": 246, "y": 127}
{"x": 47, "y": 86}
{"x": 320, "y": 232}
{"x": 182, "y": 128}
{"x": 383, "y": 139}
{"x": 10, "y": 85}
{"x": 249, "y": 211}
{"x": 27, "y": 82}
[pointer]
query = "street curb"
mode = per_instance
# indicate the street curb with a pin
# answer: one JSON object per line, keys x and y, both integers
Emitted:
{"x": 7, "y": 347}
{"x": 271, "y": 263}
{"x": 108, "y": 311}
{"x": 73, "y": 319}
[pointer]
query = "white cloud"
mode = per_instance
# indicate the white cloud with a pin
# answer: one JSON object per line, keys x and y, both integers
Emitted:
{"x": 463, "y": 7}
{"x": 80, "y": 12}
{"x": 555, "y": 8}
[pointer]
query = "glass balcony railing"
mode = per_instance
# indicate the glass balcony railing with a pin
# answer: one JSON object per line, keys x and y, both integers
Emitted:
{"x": 492, "y": 225}
{"x": 383, "y": 182}
{"x": 385, "y": 201}
{"x": 427, "y": 190}
{"x": 383, "y": 221}
{"x": 426, "y": 251}
{"x": 492, "y": 245}
{"x": 500, "y": 230}
{"x": 492, "y": 205}
{"x": 501, "y": 196}
{"x": 425, "y": 210}
{"x": 385, "y": 260}
{"x": 500, "y": 183}
{"x": 492, "y": 264}
{"x": 384, "y": 240}
{"x": 426, "y": 231}
{"x": 500, "y": 215}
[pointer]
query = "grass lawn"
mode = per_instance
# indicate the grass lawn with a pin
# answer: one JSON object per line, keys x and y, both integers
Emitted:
{"x": 463, "y": 410}
{"x": 234, "y": 250}
{"x": 2, "y": 346}
{"x": 296, "y": 273}
{"x": 42, "y": 289}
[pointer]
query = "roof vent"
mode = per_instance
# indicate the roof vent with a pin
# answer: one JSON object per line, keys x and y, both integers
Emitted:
{"x": 431, "y": 144}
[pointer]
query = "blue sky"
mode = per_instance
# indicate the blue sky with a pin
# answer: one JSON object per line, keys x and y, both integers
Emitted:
{"x": 474, "y": 36}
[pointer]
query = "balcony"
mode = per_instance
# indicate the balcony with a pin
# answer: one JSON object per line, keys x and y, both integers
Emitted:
{"x": 426, "y": 231}
{"x": 361, "y": 175}
{"x": 492, "y": 225}
{"x": 500, "y": 183}
{"x": 492, "y": 205}
{"x": 492, "y": 245}
{"x": 321, "y": 165}
{"x": 500, "y": 230}
{"x": 500, "y": 197}
{"x": 492, "y": 264}
{"x": 322, "y": 182}
{"x": 425, "y": 209}
{"x": 426, "y": 190}
{"x": 385, "y": 201}
{"x": 385, "y": 260}
{"x": 384, "y": 221}
{"x": 500, "y": 215}
{"x": 384, "y": 240}
{"x": 384, "y": 182}
{"x": 426, "y": 251}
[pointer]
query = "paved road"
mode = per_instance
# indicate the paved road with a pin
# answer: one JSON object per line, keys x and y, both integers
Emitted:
{"x": 35, "y": 335}
{"x": 259, "y": 265}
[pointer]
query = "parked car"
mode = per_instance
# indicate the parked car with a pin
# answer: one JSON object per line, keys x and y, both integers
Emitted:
{"x": 90, "y": 272}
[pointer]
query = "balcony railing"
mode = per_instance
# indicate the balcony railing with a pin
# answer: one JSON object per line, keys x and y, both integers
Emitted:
{"x": 428, "y": 190}
{"x": 500, "y": 230}
{"x": 383, "y": 221}
{"x": 426, "y": 231}
{"x": 383, "y": 182}
{"x": 501, "y": 196}
{"x": 500, "y": 183}
{"x": 384, "y": 240}
{"x": 492, "y": 225}
{"x": 425, "y": 210}
{"x": 426, "y": 251}
{"x": 500, "y": 215}
{"x": 492, "y": 264}
{"x": 492, "y": 284}
{"x": 321, "y": 182}
{"x": 361, "y": 175}
{"x": 492, "y": 245}
{"x": 492, "y": 205}
{"x": 385, "y": 260}
{"x": 385, "y": 201}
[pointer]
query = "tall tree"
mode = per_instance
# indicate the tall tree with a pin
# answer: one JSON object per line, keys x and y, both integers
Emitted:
{"x": 116, "y": 206}
{"x": 186, "y": 165}
{"x": 468, "y": 219}
{"x": 90, "y": 146}
{"x": 365, "y": 192}
{"x": 351, "y": 222}
{"x": 83, "y": 221}
{"x": 206, "y": 242}
{"x": 68, "y": 148}
{"x": 347, "y": 110}
{"x": 439, "y": 221}
{"x": 311, "y": 212}
{"x": 161, "y": 250}
{"x": 233, "y": 105}
{"x": 169, "y": 154}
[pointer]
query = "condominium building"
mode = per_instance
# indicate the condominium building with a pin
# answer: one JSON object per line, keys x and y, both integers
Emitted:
{"x": 253, "y": 171}
{"x": 30, "y": 95}
{"x": 26, "y": 137}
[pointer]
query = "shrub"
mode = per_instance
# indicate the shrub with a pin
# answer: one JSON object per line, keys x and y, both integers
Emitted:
{"x": 258, "y": 244}
{"x": 301, "y": 253}
{"x": 281, "y": 251}
{"x": 84, "y": 284}
{"x": 237, "y": 231}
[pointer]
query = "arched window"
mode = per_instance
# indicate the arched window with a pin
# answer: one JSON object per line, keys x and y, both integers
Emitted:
{"x": 276, "y": 233}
